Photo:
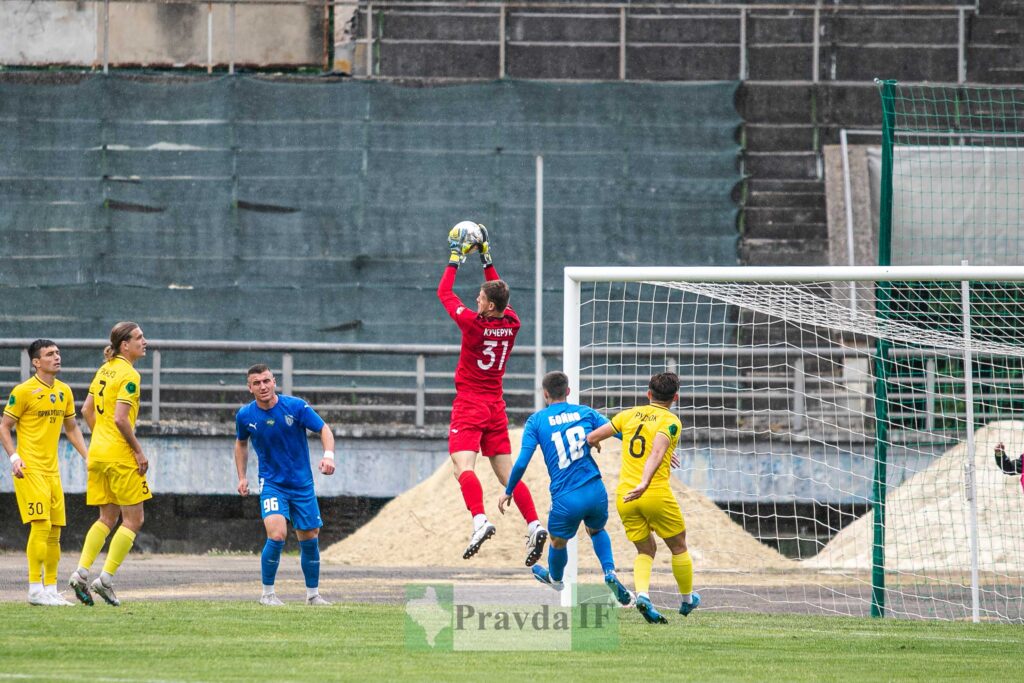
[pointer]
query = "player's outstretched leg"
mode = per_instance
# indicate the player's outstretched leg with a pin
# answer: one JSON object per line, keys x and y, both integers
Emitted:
{"x": 686, "y": 607}
{"x": 621, "y": 593}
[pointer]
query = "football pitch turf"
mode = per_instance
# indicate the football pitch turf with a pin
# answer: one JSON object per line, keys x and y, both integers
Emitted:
{"x": 235, "y": 641}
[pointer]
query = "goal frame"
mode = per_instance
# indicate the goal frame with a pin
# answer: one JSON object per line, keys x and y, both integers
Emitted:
{"x": 575, "y": 276}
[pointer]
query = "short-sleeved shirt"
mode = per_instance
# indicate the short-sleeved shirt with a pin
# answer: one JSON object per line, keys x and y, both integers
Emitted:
{"x": 638, "y": 427}
{"x": 486, "y": 342}
{"x": 39, "y": 410}
{"x": 278, "y": 436}
{"x": 561, "y": 432}
{"x": 115, "y": 382}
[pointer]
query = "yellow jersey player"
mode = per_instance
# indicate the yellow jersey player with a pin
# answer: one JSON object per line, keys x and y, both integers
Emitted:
{"x": 39, "y": 408}
{"x": 643, "y": 498}
{"x": 117, "y": 466}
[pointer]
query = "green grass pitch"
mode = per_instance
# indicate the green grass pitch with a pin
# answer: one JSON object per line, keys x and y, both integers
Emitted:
{"x": 232, "y": 641}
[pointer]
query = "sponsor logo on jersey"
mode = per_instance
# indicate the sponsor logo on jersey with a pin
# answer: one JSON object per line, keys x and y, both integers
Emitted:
{"x": 10, "y": 401}
{"x": 270, "y": 422}
{"x": 253, "y": 425}
{"x": 131, "y": 387}
{"x": 61, "y": 396}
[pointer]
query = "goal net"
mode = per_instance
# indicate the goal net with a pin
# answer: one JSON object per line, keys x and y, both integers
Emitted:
{"x": 839, "y": 429}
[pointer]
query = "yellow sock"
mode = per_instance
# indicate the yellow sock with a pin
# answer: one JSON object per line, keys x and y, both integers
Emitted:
{"x": 52, "y": 557}
{"x": 642, "y": 573}
{"x": 36, "y": 549}
{"x": 682, "y": 569}
{"x": 120, "y": 546}
{"x": 94, "y": 541}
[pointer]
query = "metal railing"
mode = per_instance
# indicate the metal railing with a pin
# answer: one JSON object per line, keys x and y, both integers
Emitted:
{"x": 769, "y": 386}
{"x": 371, "y": 39}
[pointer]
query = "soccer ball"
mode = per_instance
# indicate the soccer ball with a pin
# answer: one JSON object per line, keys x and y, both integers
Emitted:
{"x": 467, "y": 232}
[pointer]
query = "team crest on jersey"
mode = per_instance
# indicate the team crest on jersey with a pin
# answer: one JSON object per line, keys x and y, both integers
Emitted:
{"x": 289, "y": 420}
{"x": 53, "y": 398}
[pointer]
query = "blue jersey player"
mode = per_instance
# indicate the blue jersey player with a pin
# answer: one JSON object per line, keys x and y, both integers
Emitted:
{"x": 577, "y": 491}
{"x": 276, "y": 425}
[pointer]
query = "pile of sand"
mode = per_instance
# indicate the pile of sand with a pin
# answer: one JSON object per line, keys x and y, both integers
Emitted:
{"x": 928, "y": 516}
{"x": 430, "y": 526}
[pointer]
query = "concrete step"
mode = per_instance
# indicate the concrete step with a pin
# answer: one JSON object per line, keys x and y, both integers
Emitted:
{"x": 793, "y": 200}
{"x": 760, "y": 216}
{"x": 779, "y": 137}
{"x": 783, "y": 252}
{"x": 996, "y": 30}
{"x": 795, "y": 165}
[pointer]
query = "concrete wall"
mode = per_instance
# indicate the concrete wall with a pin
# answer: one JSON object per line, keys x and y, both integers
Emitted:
{"x": 160, "y": 34}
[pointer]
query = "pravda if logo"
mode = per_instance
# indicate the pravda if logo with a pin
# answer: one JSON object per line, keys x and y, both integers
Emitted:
{"x": 443, "y": 617}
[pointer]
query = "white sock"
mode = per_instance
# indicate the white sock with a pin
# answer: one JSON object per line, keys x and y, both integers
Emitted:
{"x": 533, "y": 526}
{"x": 687, "y": 598}
{"x": 268, "y": 590}
{"x": 479, "y": 521}
{"x": 83, "y": 573}
{"x": 312, "y": 592}
{"x": 106, "y": 579}
{"x": 51, "y": 589}
{"x": 643, "y": 595}
{"x": 35, "y": 587}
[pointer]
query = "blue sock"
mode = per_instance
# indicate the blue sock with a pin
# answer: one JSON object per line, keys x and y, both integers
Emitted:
{"x": 270, "y": 560}
{"x": 603, "y": 549}
{"x": 309, "y": 558}
{"x": 557, "y": 559}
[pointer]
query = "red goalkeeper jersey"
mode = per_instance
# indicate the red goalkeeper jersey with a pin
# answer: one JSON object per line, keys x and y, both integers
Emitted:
{"x": 486, "y": 342}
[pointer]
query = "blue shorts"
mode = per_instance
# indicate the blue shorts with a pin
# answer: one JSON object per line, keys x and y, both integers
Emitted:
{"x": 299, "y": 506}
{"x": 587, "y": 504}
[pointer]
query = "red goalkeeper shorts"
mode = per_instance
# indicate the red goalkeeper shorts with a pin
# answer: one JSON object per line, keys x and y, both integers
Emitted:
{"x": 479, "y": 424}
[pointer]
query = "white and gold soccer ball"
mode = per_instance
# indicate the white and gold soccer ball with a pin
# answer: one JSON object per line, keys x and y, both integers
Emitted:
{"x": 467, "y": 232}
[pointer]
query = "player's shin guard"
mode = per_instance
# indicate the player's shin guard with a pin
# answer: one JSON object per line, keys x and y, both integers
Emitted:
{"x": 524, "y": 501}
{"x": 270, "y": 560}
{"x": 557, "y": 559}
{"x": 472, "y": 492}
{"x": 120, "y": 545}
{"x": 642, "y": 573}
{"x": 682, "y": 569}
{"x": 52, "y": 556}
{"x": 35, "y": 549}
{"x": 309, "y": 558}
{"x": 94, "y": 541}
{"x": 603, "y": 549}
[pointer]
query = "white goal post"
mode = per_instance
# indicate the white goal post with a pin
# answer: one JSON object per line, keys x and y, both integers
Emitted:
{"x": 839, "y": 428}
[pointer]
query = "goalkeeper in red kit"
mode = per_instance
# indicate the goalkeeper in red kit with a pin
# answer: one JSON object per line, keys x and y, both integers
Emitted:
{"x": 478, "y": 420}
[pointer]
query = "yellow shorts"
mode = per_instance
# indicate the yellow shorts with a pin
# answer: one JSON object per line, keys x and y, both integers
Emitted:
{"x": 115, "y": 482}
{"x": 40, "y": 496}
{"x": 657, "y": 510}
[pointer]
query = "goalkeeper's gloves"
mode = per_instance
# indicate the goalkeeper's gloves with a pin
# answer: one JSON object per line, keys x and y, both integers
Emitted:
{"x": 457, "y": 246}
{"x": 485, "y": 248}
